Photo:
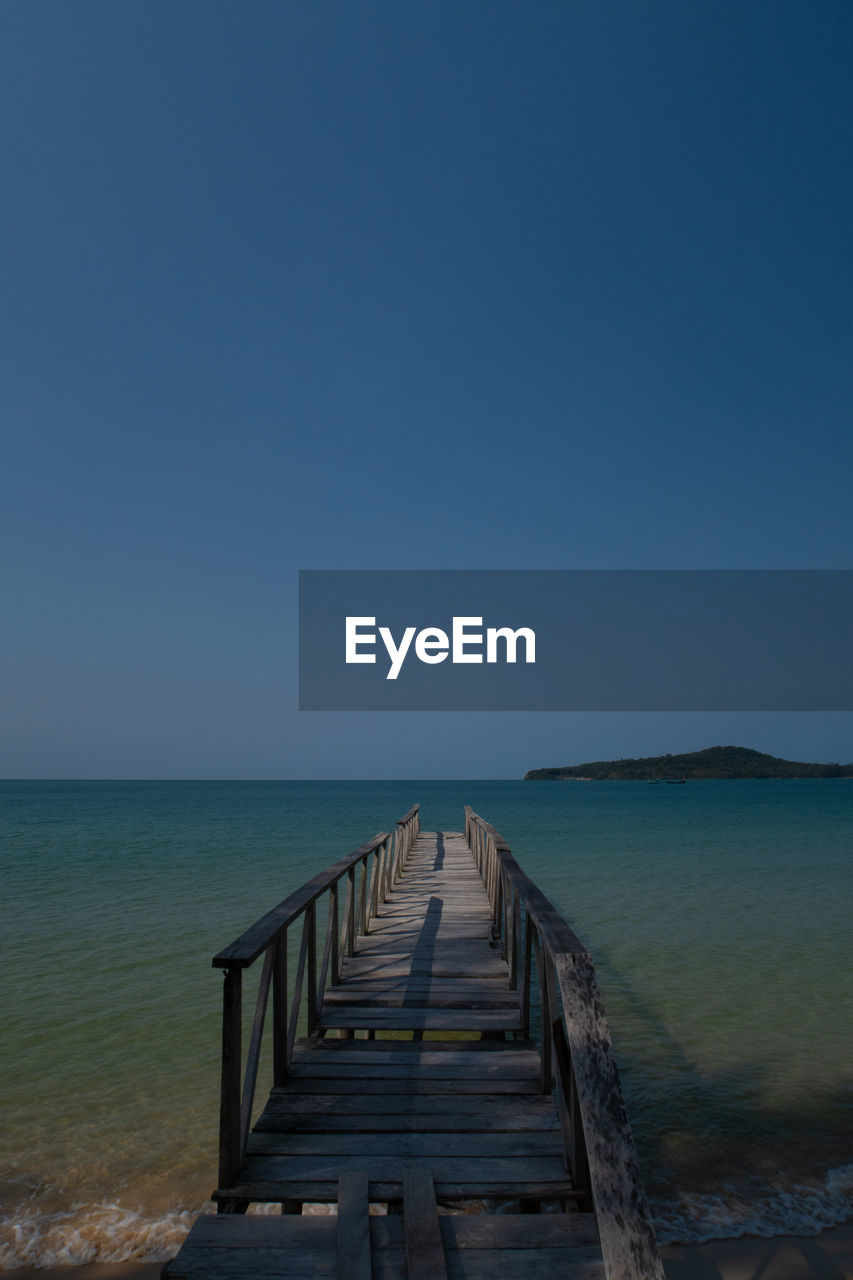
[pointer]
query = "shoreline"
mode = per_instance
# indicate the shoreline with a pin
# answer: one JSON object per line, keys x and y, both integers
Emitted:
{"x": 826, "y": 1256}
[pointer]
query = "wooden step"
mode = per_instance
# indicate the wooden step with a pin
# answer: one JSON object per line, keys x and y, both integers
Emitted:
{"x": 422, "y": 1244}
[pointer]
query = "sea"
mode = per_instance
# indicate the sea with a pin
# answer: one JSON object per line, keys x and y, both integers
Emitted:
{"x": 718, "y": 914}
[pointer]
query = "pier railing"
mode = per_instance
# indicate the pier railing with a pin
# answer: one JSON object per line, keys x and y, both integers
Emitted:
{"x": 576, "y": 1053}
{"x": 366, "y": 876}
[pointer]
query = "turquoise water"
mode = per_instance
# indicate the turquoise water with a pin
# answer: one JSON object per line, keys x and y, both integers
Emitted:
{"x": 718, "y": 915}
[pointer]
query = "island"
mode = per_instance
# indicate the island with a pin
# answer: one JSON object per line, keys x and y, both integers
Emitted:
{"x": 713, "y": 762}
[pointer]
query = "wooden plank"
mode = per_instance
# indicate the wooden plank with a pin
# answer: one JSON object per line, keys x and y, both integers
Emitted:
{"x": 358, "y": 1016}
{"x": 456, "y": 1169}
{"x": 401, "y": 1070}
{"x": 492, "y": 982}
{"x": 518, "y": 1231}
{"x": 325, "y": 1190}
{"x": 377, "y": 1057}
{"x": 442, "y": 1122}
{"x": 507, "y": 1231}
{"x": 473, "y": 971}
{"x": 239, "y": 1231}
{"x": 424, "y": 1249}
{"x": 409, "y": 1047}
{"x": 386, "y": 957}
{"x": 473, "y": 1146}
{"x": 341, "y": 998}
{"x": 415, "y": 1086}
{"x": 526, "y": 1264}
{"x": 353, "y": 1248}
{"x": 247, "y": 1263}
{"x": 427, "y": 1103}
{"x": 452, "y": 1095}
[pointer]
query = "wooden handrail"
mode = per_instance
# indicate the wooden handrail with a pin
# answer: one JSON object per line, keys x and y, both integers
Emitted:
{"x": 551, "y": 925}
{"x": 576, "y": 1051}
{"x": 246, "y": 949}
{"x": 370, "y": 872}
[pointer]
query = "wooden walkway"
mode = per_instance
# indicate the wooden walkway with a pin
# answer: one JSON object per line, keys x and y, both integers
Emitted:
{"x": 418, "y": 1087}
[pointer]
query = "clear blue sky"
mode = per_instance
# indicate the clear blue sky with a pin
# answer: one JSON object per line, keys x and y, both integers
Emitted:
{"x": 402, "y": 285}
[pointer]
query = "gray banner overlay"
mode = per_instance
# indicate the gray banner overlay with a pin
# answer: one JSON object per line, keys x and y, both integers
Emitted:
{"x": 650, "y": 640}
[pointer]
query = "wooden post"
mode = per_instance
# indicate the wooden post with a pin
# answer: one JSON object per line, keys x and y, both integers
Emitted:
{"x": 296, "y": 1000}
{"x": 351, "y": 912}
{"x": 311, "y": 928}
{"x": 545, "y": 1051}
{"x": 362, "y": 897}
{"x": 230, "y": 1099}
{"x": 373, "y": 893}
{"x": 526, "y": 966}
{"x": 253, "y": 1057}
{"x": 279, "y": 1011}
{"x": 333, "y": 913}
{"x": 397, "y": 860}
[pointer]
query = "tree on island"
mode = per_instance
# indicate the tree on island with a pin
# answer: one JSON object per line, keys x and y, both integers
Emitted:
{"x": 713, "y": 762}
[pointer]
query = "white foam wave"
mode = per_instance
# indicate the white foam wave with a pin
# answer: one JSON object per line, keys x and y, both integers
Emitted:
{"x": 796, "y": 1209}
{"x": 90, "y": 1233}
{"x": 84, "y": 1233}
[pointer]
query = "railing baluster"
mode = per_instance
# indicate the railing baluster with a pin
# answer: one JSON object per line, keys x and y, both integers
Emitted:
{"x": 383, "y": 873}
{"x": 513, "y": 958}
{"x": 336, "y": 962}
{"x": 279, "y": 1011}
{"x": 526, "y": 967}
{"x": 373, "y": 894}
{"x": 330, "y": 943}
{"x": 254, "y": 1055}
{"x": 229, "y": 1101}
{"x": 345, "y": 942}
{"x": 397, "y": 838}
{"x": 311, "y": 930}
{"x": 297, "y": 989}
{"x": 542, "y": 976}
{"x": 362, "y": 897}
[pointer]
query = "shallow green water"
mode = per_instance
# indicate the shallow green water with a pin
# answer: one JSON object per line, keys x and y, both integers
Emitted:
{"x": 718, "y": 915}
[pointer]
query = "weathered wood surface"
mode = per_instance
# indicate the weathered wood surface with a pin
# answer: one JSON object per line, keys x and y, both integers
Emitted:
{"x": 433, "y": 940}
{"x": 627, "y": 1238}
{"x": 353, "y": 1242}
{"x": 427, "y": 962}
{"x": 420, "y": 1243}
{"x": 424, "y": 1247}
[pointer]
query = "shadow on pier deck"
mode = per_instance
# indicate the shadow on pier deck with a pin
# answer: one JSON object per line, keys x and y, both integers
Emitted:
{"x": 418, "y": 1087}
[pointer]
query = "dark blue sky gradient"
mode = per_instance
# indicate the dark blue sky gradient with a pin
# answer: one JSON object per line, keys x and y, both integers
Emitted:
{"x": 390, "y": 286}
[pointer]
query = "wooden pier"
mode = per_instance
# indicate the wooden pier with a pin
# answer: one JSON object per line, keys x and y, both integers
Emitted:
{"x": 455, "y": 1071}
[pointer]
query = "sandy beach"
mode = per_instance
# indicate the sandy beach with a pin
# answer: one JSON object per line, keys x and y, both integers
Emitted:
{"x": 828, "y": 1256}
